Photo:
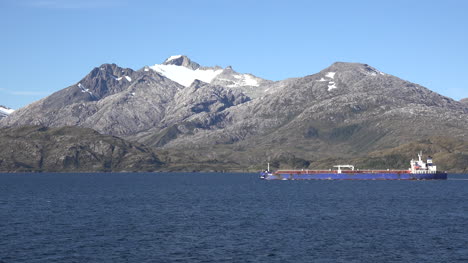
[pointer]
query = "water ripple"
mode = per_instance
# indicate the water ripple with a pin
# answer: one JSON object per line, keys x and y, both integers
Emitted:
{"x": 229, "y": 218}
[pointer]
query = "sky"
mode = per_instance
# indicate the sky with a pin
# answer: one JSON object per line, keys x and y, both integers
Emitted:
{"x": 48, "y": 45}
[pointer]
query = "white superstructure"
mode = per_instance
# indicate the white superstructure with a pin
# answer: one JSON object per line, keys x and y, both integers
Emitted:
{"x": 419, "y": 166}
{"x": 344, "y": 166}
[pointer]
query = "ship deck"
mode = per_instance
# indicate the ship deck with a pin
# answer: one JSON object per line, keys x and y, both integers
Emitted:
{"x": 342, "y": 171}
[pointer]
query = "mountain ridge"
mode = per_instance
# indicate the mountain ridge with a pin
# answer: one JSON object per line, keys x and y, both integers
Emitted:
{"x": 185, "y": 71}
{"x": 71, "y": 149}
{"x": 345, "y": 110}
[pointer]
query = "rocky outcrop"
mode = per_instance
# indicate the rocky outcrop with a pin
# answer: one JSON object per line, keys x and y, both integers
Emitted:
{"x": 465, "y": 100}
{"x": 182, "y": 61}
{"x": 71, "y": 149}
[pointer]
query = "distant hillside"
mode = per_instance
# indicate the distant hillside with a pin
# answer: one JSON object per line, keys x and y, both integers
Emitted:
{"x": 449, "y": 155}
{"x": 71, "y": 149}
{"x": 465, "y": 100}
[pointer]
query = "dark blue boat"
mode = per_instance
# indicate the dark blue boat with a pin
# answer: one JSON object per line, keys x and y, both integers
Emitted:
{"x": 419, "y": 170}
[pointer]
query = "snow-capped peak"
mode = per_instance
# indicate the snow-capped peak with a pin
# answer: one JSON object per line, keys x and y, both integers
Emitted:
{"x": 181, "y": 60}
{"x": 173, "y": 57}
{"x": 185, "y": 76}
{"x": 182, "y": 70}
{"x": 6, "y": 110}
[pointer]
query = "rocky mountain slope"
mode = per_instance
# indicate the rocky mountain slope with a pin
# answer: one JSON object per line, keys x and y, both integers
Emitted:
{"x": 123, "y": 102}
{"x": 208, "y": 115}
{"x": 71, "y": 149}
{"x": 465, "y": 100}
{"x": 345, "y": 110}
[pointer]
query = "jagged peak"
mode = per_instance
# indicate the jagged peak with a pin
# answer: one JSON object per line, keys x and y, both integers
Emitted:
{"x": 112, "y": 67}
{"x": 173, "y": 57}
{"x": 352, "y": 66}
{"x": 181, "y": 60}
{"x": 108, "y": 71}
{"x": 108, "y": 66}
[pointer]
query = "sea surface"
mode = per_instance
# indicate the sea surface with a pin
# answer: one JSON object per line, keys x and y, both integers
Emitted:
{"x": 220, "y": 217}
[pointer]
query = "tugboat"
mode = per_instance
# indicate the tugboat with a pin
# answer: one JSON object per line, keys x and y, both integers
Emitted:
{"x": 419, "y": 170}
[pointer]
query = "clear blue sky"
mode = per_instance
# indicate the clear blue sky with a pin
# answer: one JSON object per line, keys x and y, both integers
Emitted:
{"x": 47, "y": 45}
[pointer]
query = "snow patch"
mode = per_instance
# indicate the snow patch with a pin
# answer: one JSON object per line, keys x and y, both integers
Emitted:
{"x": 185, "y": 76}
{"x": 226, "y": 80}
{"x": 126, "y": 77}
{"x": 84, "y": 90}
{"x": 330, "y": 75}
{"x": 244, "y": 80}
{"x": 373, "y": 72}
{"x": 322, "y": 80}
{"x": 6, "y": 111}
{"x": 250, "y": 81}
{"x": 331, "y": 85}
{"x": 173, "y": 57}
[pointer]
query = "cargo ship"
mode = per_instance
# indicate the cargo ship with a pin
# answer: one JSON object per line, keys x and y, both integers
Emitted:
{"x": 419, "y": 170}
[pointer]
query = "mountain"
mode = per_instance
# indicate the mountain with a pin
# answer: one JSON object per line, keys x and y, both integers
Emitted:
{"x": 184, "y": 71}
{"x": 5, "y": 111}
{"x": 123, "y": 102}
{"x": 465, "y": 100}
{"x": 71, "y": 149}
{"x": 210, "y": 117}
{"x": 110, "y": 99}
{"x": 346, "y": 110}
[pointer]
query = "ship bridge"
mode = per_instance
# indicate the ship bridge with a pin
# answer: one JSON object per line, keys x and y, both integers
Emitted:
{"x": 344, "y": 166}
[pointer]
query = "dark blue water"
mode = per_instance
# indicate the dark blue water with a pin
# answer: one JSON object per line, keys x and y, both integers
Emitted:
{"x": 229, "y": 218}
